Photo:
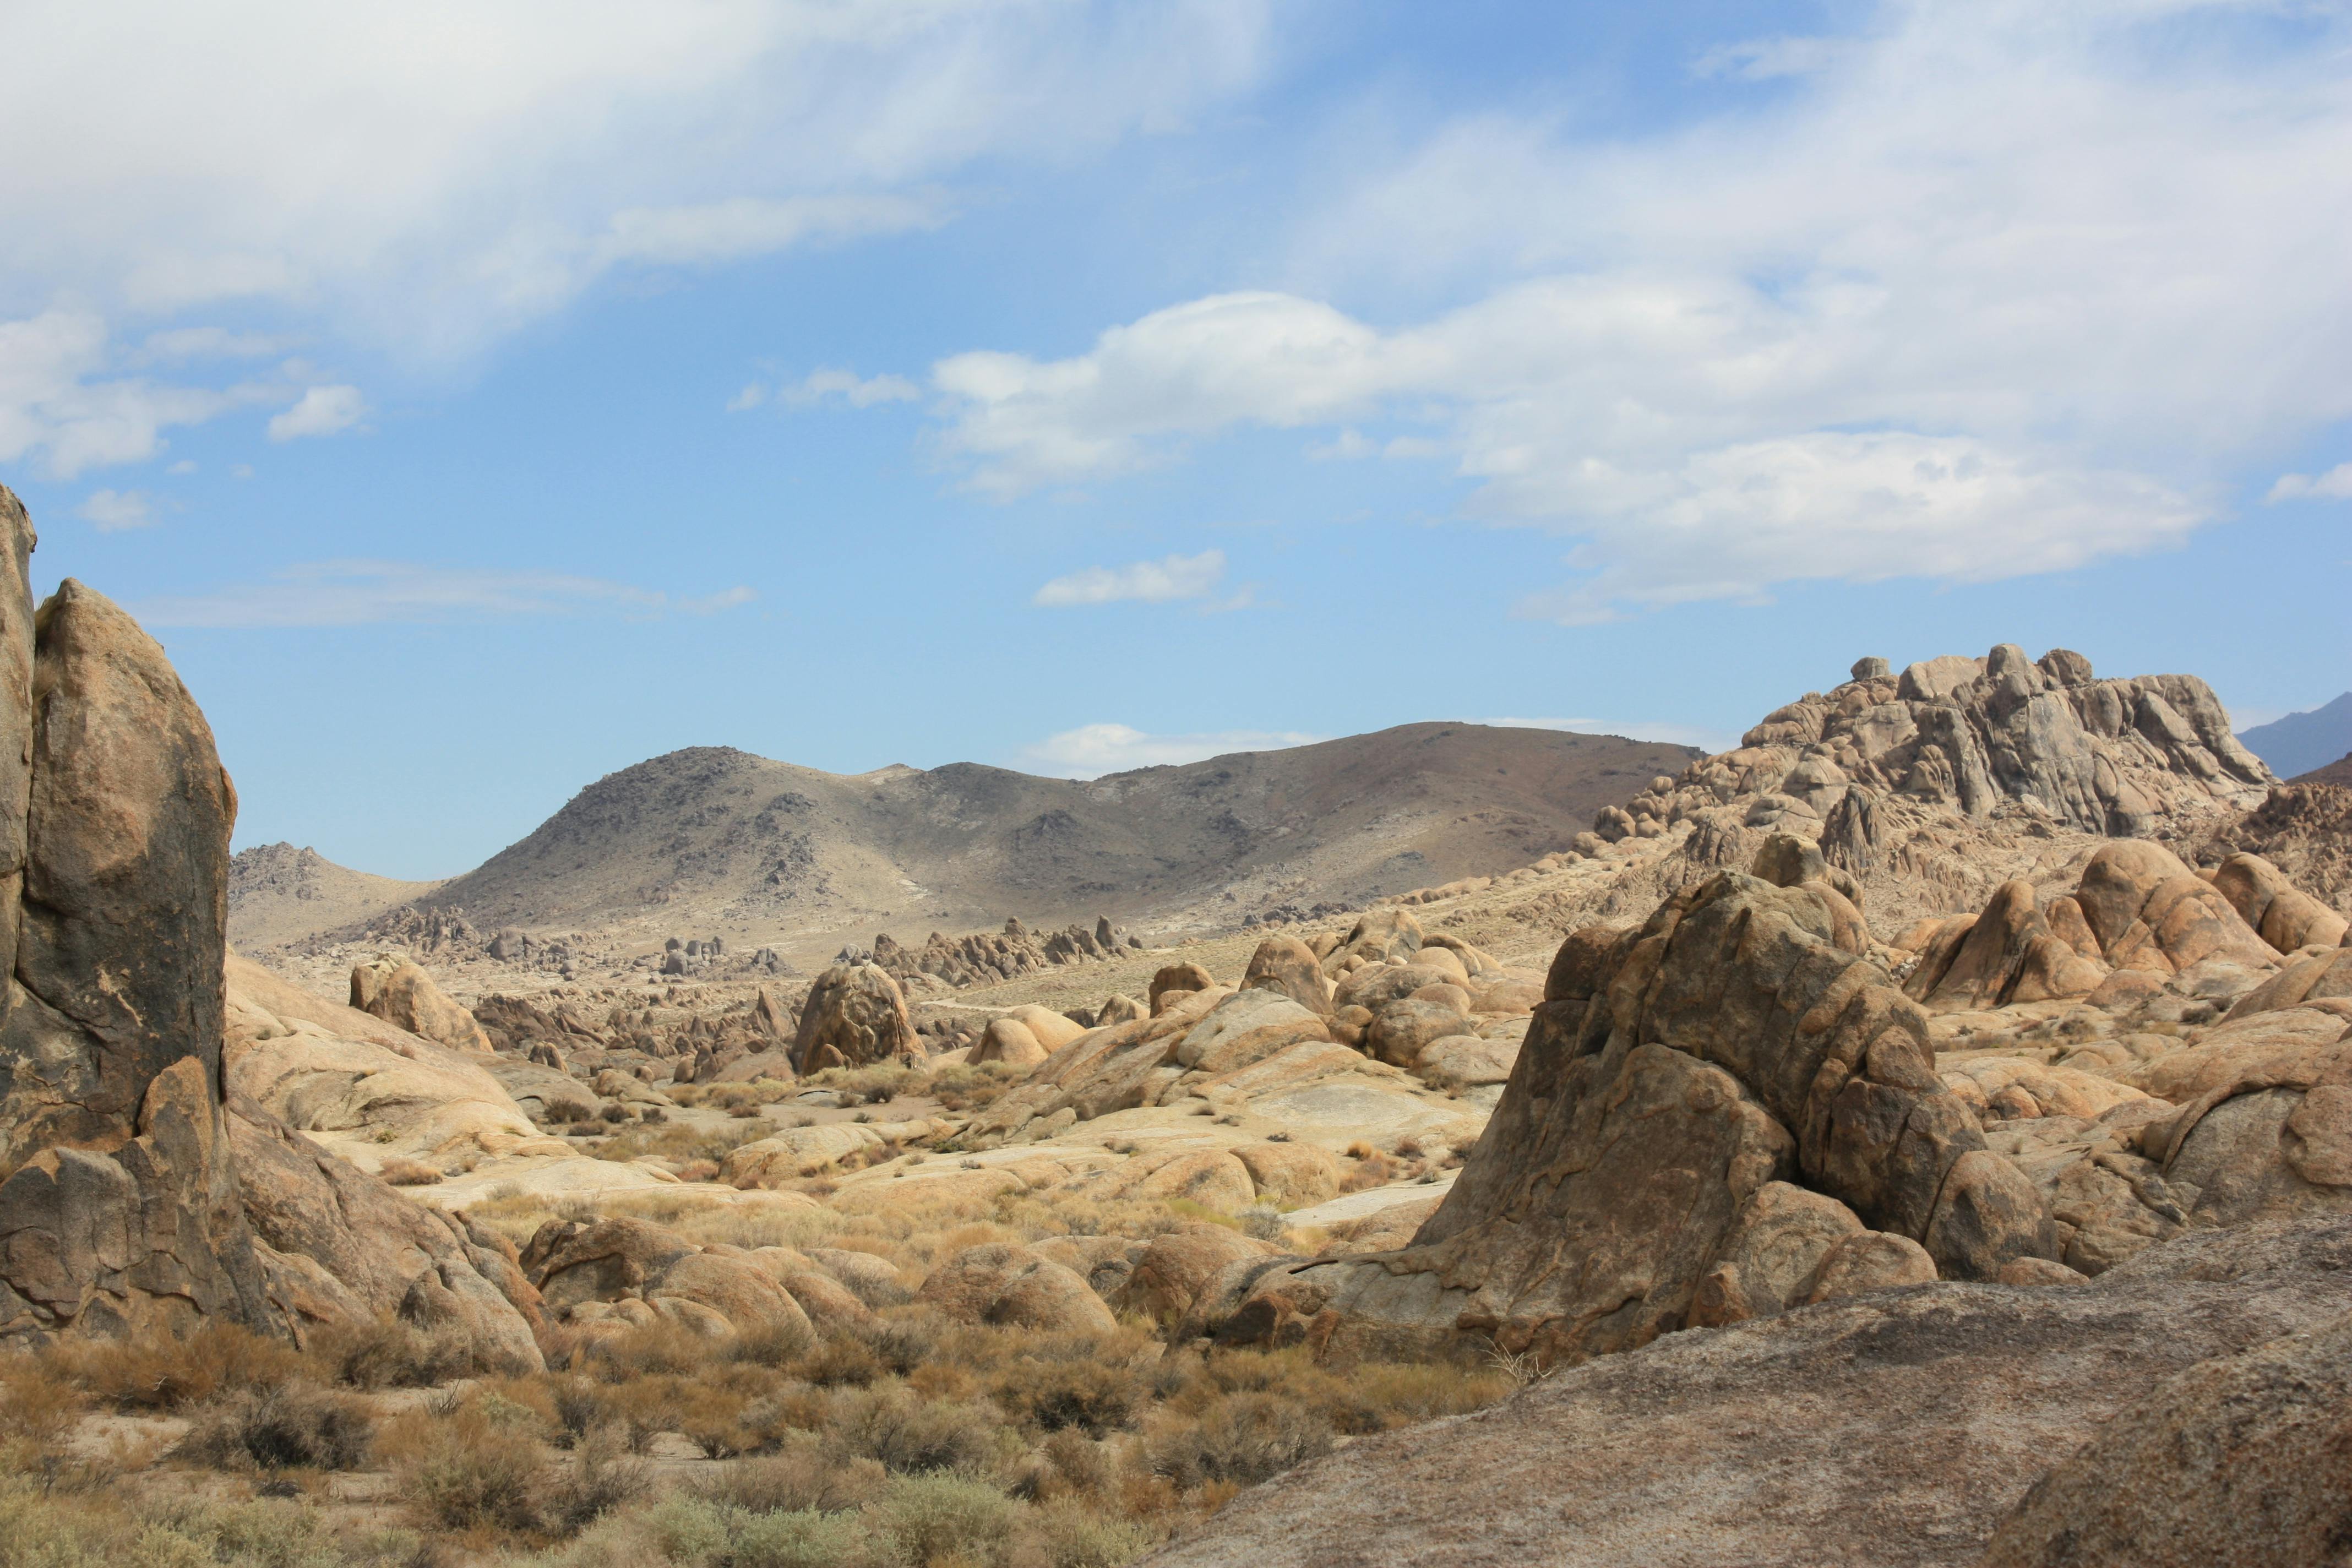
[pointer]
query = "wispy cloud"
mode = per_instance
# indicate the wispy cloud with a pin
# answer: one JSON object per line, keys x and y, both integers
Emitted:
{"x": 372, "y": 593}
{"x": 1161, "y": 582}
{"x": 834, "y": 385}
{"x": 322, "y": 411}
{"x": 110, "y": 512}
{"x": 1092, "y": 749}
{"x": 2335, "y": 484}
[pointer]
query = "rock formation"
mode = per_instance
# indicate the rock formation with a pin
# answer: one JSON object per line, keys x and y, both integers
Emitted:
{"x": 854, "y": 1015}
{"x": 131, "y": 1197}
{"x": 396, "y": 990}
{"x": 1895, "y": 1430}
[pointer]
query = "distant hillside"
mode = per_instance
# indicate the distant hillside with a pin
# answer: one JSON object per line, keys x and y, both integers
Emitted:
{"x": 2339, "y": 772}
{"x": 278, "y": 894}
{"x": 2301, "y": 742}
{"x": 741, "y": 843}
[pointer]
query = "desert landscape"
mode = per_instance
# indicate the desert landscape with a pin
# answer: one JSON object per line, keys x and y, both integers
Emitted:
{"x": 1175, "y": 783}
{"x": 1925, "y": 1122}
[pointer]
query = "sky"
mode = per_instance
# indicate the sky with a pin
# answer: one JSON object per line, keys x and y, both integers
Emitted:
{"x": 479, "y": 398}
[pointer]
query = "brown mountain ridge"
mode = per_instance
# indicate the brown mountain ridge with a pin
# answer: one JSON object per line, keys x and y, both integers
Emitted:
{"x": 712, "y": 837}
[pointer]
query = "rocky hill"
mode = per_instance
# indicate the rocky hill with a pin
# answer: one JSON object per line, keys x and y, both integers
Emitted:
{"x": 714, "y": 839}
{"x": 278, "y": 894}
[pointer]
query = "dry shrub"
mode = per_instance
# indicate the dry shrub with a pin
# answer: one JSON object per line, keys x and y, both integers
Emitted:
{"x": 805, "y": 1474}
{"x": 467, "y": 1467}
{"x": 938, "y": 1520}
{"x": 1077, "y": 1535}
{"x": 910, "y": 1434}
{"x": 1241, "y": 1440}
{"x": 769, "y": 1344}
{"x": 290, "y": 1427}
{"x": 600, "y": 1479}
{"x": 158, "y": 1372}
{"x": 40, "y": 1405}
{"x": 1090, "y": 1392}
{"x": 699, "y": 1533}
{"x": 402, "y": 1172}
{"x": 388, "y": 1353}
{"x": 1375, "y": 1170}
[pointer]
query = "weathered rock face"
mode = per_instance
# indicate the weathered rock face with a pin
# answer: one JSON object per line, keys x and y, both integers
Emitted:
{"x": 121, "y": 1207}
{"x": 2239, "y": 1462}
{"x": 1730, "y": 1044}
{"x": 855, "y": 1014}
{"x": 396, "y": 990}
{"x": 1895, "y": 1430}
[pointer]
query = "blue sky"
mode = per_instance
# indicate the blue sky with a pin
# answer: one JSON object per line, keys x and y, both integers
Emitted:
{"x": 476, "y": 399}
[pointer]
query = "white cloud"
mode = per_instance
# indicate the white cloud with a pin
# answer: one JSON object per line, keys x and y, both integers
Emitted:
{"x": 322, "y": 411}
{"x": 110, "y": 512}
{"x": 1151, "y": 582}
{"x": 58, "y": 403}
{"x": 1092, "y": 749}
{"x": 428, "y": 176}
{"x": 180, "y": 343}
{"x": 1671, "y": 735}
{"x": 185, "y": 466}
{"x": 370, "y": 593}
{"x": 747, "y": 226}
{"x": 846, "y": 385}
{"x": 2335, "y": 484}
{"x": 1982, "y": 291}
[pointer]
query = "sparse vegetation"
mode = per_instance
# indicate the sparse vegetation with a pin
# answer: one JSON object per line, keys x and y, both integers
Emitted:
{"x": 900, "y": 1441}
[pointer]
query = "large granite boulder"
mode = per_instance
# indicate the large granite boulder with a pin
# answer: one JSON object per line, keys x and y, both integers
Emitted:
{"x": 1730, "y": 1044}
{"x": 132, "y": 1199}
{"x": 396, "y": 990}
{"x": 1896, "y": 1429}
{"x": 855, "y": 1014}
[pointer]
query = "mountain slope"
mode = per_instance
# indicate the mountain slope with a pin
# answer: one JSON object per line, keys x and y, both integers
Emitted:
{"x": 278, "y": 894}
{"x": 2301, "y": 742}
{"x": 732, "y": 841}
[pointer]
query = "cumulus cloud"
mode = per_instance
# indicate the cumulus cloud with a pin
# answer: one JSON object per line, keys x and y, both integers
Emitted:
{"x": 2335, "y": 484}
{"x": 1159, "y": 582}
{"x": 322, "y": 411}
{"x": 1092, "y": 749}
{"x": 1857, "y": 328}
{"x": 110, "y": 512}
{"x": 430, "y": 175}
{"x": 370, "y": 593}
{"x": 59, "y": 403}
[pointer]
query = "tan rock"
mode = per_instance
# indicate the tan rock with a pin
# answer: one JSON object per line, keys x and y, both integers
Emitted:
{"x": 1175, "y": 978}
{"x": 1180, "y": 1264}
{"x": 392, "y": 987}
{"x": 1010, "y": 1041}
{"x": 1209, "y": 1177}
{"x": 1286, "y": 964}
{"x": 855, "y": 1014}
{"x": 998, "y": 1283}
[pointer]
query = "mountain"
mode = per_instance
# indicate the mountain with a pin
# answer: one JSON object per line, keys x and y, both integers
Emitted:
{"x": 2339, "y": 772}
{"x": 712, "y": 838}
{"x": 278, "y": 894}
{"x": 2302, "y": 742}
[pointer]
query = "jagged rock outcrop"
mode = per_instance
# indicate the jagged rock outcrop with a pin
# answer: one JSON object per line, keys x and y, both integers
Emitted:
{"x": 1727, "y": 1044}
{"x": 121, "y": 1207}
{"x": 983, "y": 957}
